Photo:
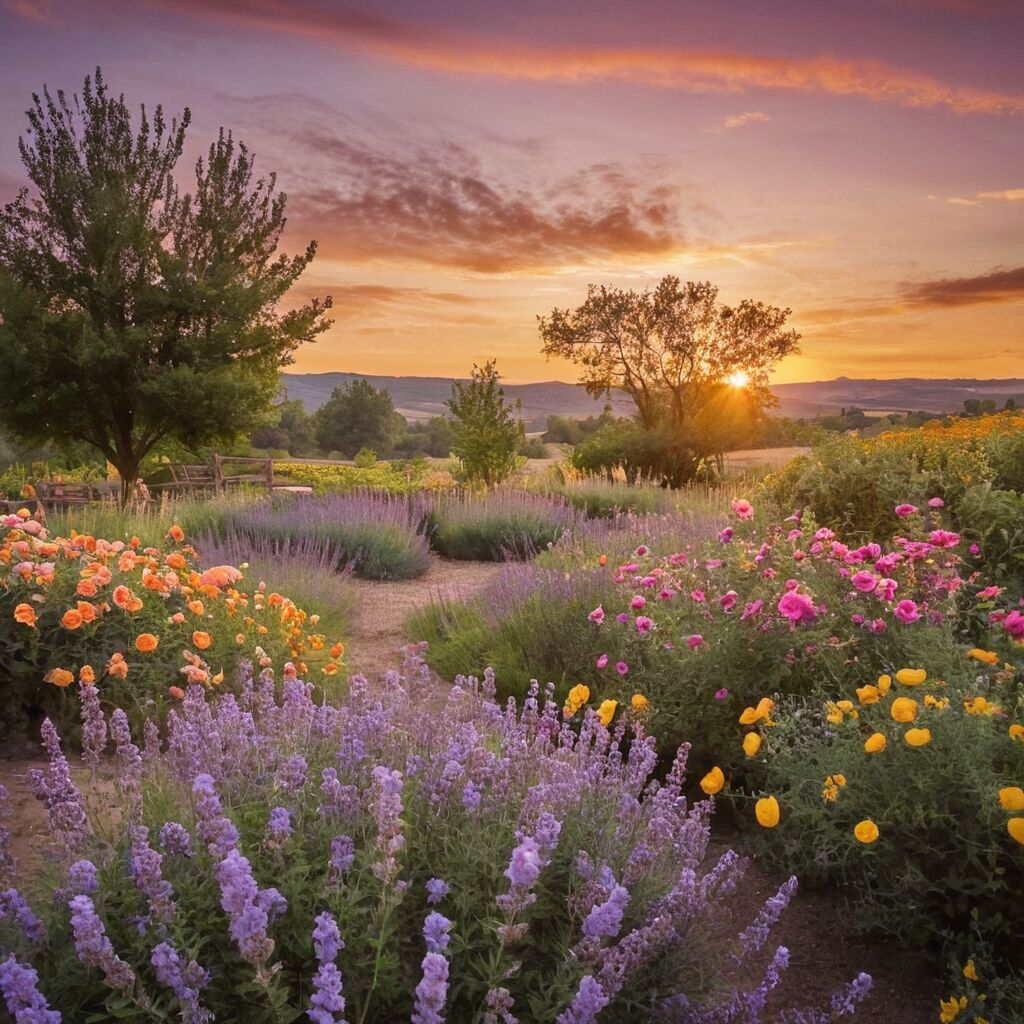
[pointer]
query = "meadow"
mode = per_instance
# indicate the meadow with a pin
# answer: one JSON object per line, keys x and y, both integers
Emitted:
{"x": 514, "y": 822}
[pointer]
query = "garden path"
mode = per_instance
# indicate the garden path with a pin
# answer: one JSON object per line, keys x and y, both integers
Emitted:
{"x": 382, "y": 607}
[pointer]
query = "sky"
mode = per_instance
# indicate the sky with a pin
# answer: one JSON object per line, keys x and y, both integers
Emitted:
{"x": 466, "y": 165}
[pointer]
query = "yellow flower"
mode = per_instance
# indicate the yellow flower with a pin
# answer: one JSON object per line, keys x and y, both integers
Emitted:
{"x": 970, "y": 971}
{"x": 751, "y": 744}
{"x": 639, "y": 702}
{"x": 758, "y": 714}
{"x": 846, "y": 706}
{"x": 766, "y": 810}
{"x": 938, "y": 703}
{"x": 904, "y": 709}
{"x": 1015, "y": 826}
{"x": 884, "y": 682}
{"x": 979, "y": 706}
{"x": 875, "y": 743}
{"x": 868, "y": 694}
{"x": 713, "y": 782}
{"x": 839, "y": 780}
{"x": 988, "y": 657}
{"x": 918, "y": 737}
{"x": 911, "y": 676}
{"x": 1011, "y": 798}
{"x": 865, "y": 831}
{"x": 606, "y": 712}
{"x": 950, "y": 1008}
{"x": 1016, "y": 732}
{"x": 578, "y": 696}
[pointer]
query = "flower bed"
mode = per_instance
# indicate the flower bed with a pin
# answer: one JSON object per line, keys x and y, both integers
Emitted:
{"x": 140, "y": 622}
{"x": 382, "y": 859}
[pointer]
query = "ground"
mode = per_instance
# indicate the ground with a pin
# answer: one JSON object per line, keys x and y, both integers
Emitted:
{"x": 822, "y": 954}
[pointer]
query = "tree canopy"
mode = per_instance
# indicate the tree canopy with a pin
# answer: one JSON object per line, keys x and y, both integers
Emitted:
{"x": 696, "y": 369}
{"x": 486, "y": 433}
{"x": 130, "y": 311}
{"x": 358, "y": 416}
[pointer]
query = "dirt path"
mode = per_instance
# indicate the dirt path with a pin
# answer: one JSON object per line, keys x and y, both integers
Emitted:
{"x": 382, "y": 608}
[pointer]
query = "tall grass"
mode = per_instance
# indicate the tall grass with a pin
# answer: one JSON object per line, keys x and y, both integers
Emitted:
{"x": 501, "y": 525}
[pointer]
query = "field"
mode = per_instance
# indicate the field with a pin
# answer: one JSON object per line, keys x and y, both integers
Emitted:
{"x": 275, "y": 710}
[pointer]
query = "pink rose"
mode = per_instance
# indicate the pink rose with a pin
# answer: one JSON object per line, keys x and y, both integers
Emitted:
{"x": 906, "y": 611}
{"x": 797, "y": 607}
{"x": 742, "y": 508}
{"x": 905, "y": 511}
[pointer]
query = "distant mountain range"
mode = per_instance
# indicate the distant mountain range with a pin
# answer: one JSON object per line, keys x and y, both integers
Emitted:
{"x": 419, "y": 398}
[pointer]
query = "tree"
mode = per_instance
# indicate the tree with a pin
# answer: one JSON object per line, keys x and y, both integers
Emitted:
{"x": 486, "y": 434}
{"x": 696, "y": 370}
{"x": 289, "y": 427}
{"x": 357, "y": 416}
{"x": 130, "y": 312}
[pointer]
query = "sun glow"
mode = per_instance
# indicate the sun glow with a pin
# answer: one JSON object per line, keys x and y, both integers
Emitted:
{"x": 739, "y": 379}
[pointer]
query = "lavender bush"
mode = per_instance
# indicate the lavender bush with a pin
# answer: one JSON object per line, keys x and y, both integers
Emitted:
{"x": 388, "y": 859}
{"x": 381, "y": 536}
{"x": 500, "y": 525}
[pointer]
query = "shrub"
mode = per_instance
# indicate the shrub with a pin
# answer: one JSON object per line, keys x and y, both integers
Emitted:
{"x": 895, "y": 794}
{"x": 140, "y": 621}
{"x": 365, "y": 458}
{"x": 391, "y": 477}
{"x": 380, "y": 536}
{"x": 387, "y": 858}
{"x": 497, "y": 525}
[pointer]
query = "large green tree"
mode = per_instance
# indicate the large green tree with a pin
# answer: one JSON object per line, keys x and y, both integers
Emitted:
{"x": 358, "y": 416}
{"x": 486, "y": 431}
{"x": 130, "y": 311}
{"x": 696, "y": 369}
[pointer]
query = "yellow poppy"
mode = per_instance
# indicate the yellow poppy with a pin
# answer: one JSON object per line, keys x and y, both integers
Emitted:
{"x": 606, "y": 711}
{"x": 903, "y": 709}
{"x": 766, "y": 810}
{"x": 884, "y": 682}
{"x": 1015, "y": 826}
{"x": 970, "y": 971}
{"x": 713, "y": 782}
{"x": 911, "y": 676}
{"x": 1016, "y": 732}
{"x": 875, "y": 743}
{"x": 918, "y": 737}
{"x": 868, "y": 694}
{"x": 865, "y": 831}
{"x": 578, "y": 696}
{"x": 988, "y": 657}
{"x": 751, "y": 744}
{"x": 1011, "y": 798}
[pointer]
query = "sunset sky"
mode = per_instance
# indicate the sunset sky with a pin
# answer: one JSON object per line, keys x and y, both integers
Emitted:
{"x": 466, "y": 164}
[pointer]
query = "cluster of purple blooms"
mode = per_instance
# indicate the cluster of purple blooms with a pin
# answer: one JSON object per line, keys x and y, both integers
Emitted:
{"x": 574, "y": 818}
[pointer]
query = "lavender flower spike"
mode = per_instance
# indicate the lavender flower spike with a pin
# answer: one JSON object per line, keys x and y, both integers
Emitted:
{"x": 589, "y": 1002}
{"x": 327, "y": 1003}
{"x": 94, "y": 726}
{"x": 185, "y": 980}
{"x": 432, "y": 991}
{"x": 94, "y": 948}
{"x": 25, "y": 1003}
{"x": 58, "y": 793}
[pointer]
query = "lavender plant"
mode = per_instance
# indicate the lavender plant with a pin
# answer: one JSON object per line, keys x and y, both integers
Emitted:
{"x": 386, "y": 858}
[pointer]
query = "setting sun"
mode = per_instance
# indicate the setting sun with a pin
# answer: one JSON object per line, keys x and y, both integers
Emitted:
{"x": 739, "y": 379}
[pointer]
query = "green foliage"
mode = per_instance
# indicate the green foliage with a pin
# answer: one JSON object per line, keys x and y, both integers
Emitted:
{"x": 289, "y": 427}
{"x": 428, "y": 437}
{"x": 485, "y": 434}
{"x": 357, "y": 416}
{"x": 130, "y": 312}
{"x": 944, "y": 872}
{"x": 571, "y": 430}
{"x": 365, "y": 458}
{"x": 405, "y": 477}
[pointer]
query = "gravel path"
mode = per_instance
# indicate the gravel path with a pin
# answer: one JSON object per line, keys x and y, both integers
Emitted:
{"x": 382, "y": 608}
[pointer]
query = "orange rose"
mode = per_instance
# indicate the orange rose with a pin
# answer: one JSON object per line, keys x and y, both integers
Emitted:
{"x": 117, "y": 667}
{"x": 59, "y": 677}
{"x": 25, "y": 614}
{"x": 176, "y": 533}
{"x": 86, "y": 589}
{"x": 197, "y": 607}
{"x": 71, "y": 619}
{"x": 201, "y": 640}
{"x": 337, "y": 650}
{"x": 122, "y": 596}
{"x": 176, "y": 692}
{"x": 146, "y": 643}
{"x": 86, "y": 674}
{"x": 175, "y": 561}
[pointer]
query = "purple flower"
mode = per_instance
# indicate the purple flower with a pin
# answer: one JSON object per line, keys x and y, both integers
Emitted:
{"x": 129, "y": 760}
{"x": 58, "y": 793}
{"x": 326, "y": 1004}
{"x": 386, "y": 804}
{"x": 343, "y": 854}
{"x": 25, "y": 1003}
{"x": 13, "y": 906}
{"x": 94, "y": 948}
{"x": 432, "y": 991}
{"x": 217, "y": 831}
{"x": 524, "y": 867}
{"x": 437, "y": 889}
{"x": 291, "y": 776}
{"x": 174, "y": 838}
{"x": 184, "y": 980}
{"x": 605, "y": 919}
{"x": 279, "y": 823}
{"x": 146, "y": 869}
{"x": 435, "y": 932}
{"x": 471, "y": 796}
{"x": 94, "y": 726}
{"x": 326, "y": 938}
{"x": 240, "y": 899}
{"x": 590, "y": 1000}
{"x": 82, "y": 879}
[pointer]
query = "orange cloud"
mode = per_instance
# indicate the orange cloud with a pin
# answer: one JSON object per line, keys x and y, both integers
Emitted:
{"x": 997, "y": 286}
{"x": 687, "y": 70}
